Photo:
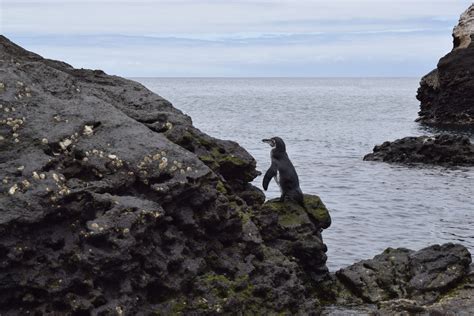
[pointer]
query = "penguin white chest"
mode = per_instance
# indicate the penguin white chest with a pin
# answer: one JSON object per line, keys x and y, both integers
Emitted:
{"x": 277, "y": 179}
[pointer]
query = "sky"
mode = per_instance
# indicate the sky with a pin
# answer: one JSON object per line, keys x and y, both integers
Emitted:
{"x": 238, "y": 38}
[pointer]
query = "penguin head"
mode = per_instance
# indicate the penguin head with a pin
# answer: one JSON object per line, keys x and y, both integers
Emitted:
{"x": 276, "y": 142}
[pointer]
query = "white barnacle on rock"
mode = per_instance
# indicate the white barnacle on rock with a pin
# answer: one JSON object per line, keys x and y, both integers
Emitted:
{"x": 189, "y": 169}
{"x": 36, "y": 175}
{"x": 112, "y": 156}
{"x": 15, "y": 135}
{"x": 13, "y": 189}
{"x": 94, "y": 226}
{"x": 119, "y": 310}
{"x": 147, "y": 159}
{"x": 2, "y": 138}
{"x": 156, "y": 157}
{"x": 42, "y": 176}
{"x": 26, "y": 183}
{"x": 65, "y": 143}
{"x": 55, "y": 177}
{"x": 44, "y": 141}
{"x": 20, "y": 168}
{"x": 126, "y": 230}
{"x": 88, "y": 130}
{"x": 182, "y": 171}
{"x": 168, "y": 125}
{"x": 16, "y": 140}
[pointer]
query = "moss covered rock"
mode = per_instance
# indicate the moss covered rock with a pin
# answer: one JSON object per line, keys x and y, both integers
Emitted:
{"x": 296, "y": 232}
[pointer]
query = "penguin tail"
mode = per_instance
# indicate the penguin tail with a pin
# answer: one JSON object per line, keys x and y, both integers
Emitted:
{"x": 298, "y": 197}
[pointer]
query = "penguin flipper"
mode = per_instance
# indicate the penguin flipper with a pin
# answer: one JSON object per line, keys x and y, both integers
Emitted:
{"x": 271, "y": 172}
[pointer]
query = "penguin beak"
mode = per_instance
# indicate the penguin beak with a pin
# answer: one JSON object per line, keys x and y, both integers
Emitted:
{"x": 268, "y": 141}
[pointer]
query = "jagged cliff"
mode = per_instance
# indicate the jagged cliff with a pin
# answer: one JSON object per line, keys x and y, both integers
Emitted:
{"x": 447, "y": 93}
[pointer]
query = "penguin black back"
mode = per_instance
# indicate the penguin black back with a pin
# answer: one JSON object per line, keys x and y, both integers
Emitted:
{"x": 283, "y": 171}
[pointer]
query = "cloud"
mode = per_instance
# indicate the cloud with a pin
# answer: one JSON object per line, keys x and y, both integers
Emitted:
{"x": 237, "y": 37}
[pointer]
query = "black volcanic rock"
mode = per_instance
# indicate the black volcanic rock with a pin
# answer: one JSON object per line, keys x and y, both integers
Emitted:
{"x": 441, "y": 149}
{"x": 437, "y": 280}
{"x": 422, "y": 275}
{"x": 447, "y": 93}
{"x": 111, "y": 202}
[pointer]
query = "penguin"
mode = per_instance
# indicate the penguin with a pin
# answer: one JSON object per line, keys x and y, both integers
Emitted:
{"x": 283, "y": 171}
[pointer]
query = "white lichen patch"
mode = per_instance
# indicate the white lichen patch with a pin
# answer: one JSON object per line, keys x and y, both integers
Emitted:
{"x": 88, "y": 130}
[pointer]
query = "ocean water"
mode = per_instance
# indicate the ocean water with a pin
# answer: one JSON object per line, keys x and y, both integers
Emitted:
{"x": 328, "y": 126}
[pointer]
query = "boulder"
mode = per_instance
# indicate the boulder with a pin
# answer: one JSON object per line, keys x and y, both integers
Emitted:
{"x": 442, "y": 149}
{"x": 421, "y": 276}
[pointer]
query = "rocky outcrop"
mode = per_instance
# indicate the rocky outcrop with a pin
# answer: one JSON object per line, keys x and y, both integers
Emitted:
{"x": 447, "y": 93}
{"x": 434, "y": 279}
{"x": 111, "y": 202}
{"x": 441, "y": 149}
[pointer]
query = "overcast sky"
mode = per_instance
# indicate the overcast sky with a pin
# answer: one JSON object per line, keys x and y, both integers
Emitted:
{"x": 237, "y": 37}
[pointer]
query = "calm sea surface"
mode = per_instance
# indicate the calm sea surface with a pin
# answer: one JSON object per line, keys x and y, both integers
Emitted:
{"x": 328, "y": 126}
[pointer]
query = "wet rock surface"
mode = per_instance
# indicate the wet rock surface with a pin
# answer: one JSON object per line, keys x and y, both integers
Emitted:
{"x": 440, "y": 149}
{"x": 111, "y": 202}
{"x": 447, "y": 93}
